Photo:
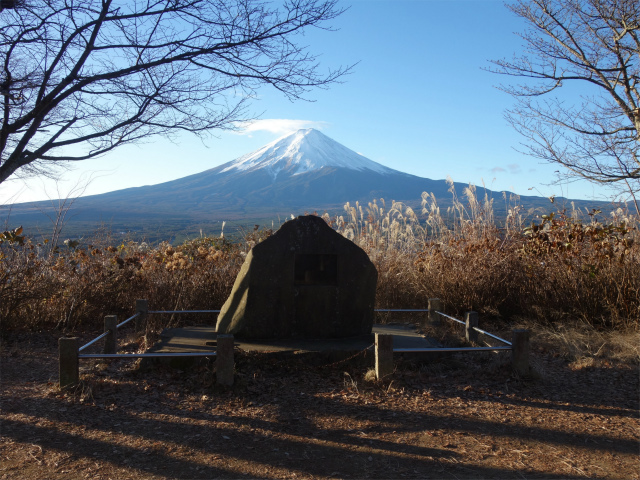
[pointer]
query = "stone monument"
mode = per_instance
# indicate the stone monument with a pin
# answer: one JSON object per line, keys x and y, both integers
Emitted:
{"x": 304, "y": 281}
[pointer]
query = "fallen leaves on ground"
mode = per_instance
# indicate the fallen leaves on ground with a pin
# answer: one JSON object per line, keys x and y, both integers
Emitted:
{"x": 456, "y": 417}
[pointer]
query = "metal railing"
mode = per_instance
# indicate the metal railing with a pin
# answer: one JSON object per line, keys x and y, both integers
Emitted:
{"x": 519, "y": 346}
{"x": 495, "y": 337}
{"x": 451, "y": 318}
{"x": 93, "y": 341}
{"x": 142, "y": 307}
{"x": 120, "y": 325}
{"x": 470, "y": 326}
{"x": 148, "y": 355}
{"x": 70, "y": 353}
{"x": 183, "y": 311}
{"x": 449, "y": 349}
{"x": 107, "y": 332}
{"x": 378, "y": 310}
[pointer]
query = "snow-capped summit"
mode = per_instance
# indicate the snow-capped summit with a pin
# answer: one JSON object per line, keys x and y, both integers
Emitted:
{"x": 303, "y": 171}
{"x": 301, "y": 152}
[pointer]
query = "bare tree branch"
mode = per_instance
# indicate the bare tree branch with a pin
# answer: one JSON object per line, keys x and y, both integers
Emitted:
{"x": 97, "y": 74}
{"x": 588, "y": 51}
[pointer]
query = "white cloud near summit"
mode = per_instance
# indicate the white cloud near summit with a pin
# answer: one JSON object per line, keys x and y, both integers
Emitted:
{"x": 512, "y": 168}
{"x": 280, "y": 126}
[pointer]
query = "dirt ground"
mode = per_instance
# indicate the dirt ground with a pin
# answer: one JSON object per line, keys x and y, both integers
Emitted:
{"x": 455, "y": 417}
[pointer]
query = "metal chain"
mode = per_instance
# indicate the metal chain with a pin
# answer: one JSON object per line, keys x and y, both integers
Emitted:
{"x": 347, "y": 359}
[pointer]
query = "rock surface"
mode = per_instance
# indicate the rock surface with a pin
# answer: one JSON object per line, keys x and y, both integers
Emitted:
{"x": 304, "y": 281}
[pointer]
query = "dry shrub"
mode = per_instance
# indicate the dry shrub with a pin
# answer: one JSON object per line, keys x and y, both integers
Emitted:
{"x": 552, "y": 268}
{"x": 584, "y": 346}
{"x": 555, "y": 268}
{"x": 75, "y": 286}
{"x": 391, "y": 239}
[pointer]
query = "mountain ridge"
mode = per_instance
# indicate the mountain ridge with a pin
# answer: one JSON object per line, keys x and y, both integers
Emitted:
{"x": 302, "y": 171}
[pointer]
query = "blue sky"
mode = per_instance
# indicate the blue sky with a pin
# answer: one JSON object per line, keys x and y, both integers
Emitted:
{"x": 418, "y": 101}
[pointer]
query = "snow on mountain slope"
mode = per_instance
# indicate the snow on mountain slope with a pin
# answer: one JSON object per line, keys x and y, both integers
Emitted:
{"x": 301, "y": 152}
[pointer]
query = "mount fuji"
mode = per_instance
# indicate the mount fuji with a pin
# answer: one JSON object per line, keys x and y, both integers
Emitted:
{"x": 302, "y": 152}
{"x": 305, "y": 170}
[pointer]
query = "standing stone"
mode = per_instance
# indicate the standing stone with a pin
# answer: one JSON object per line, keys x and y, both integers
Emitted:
{"x": 224, "y": 360}
{"x": 111, "y": 340}
{"x": 434, "y": 307}
{"x": 305, "y": 281}
{"x": 471, "y": 321}
{"x": 384, "y": 355}
{"x": 520, "y": 351}
{"x": 69, "y": 373}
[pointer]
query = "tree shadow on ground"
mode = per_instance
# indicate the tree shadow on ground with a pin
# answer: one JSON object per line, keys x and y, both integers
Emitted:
{"x": 317, "y": 433}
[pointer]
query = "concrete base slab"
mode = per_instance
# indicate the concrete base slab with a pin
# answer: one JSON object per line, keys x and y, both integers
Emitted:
{"x": 203, "y": 339}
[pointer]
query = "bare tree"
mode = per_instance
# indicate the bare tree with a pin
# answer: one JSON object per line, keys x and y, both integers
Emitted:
{"x": 79, "y": 78}
{"x": 592, "y": 49}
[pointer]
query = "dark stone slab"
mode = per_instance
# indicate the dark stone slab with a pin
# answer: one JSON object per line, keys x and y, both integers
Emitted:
{"x": 203, "y": 339}
{"x": 322, "y": 350}
{"x": 306, "y": 281}
{"x": 198, "y": 339}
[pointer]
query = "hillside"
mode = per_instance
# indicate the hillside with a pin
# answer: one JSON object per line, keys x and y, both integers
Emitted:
{"x": 303, "y": 171}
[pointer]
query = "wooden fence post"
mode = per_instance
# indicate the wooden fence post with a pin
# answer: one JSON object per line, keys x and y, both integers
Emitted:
{"x": 142, "y": 307}
{"x": 471, "y": 320}
{"x": 111, "y": 340}
{"x": 434, "y": 307}
{"x": 520, "y": 351}
{"x": 224, "y": 360}
{"x": 384, "y": 355}
{"x": 68, "y": 361}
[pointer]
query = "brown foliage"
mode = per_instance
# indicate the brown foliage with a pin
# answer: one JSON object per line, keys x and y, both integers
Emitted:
{"x": 75, "y": 287}
{"x": 558, "y": 268}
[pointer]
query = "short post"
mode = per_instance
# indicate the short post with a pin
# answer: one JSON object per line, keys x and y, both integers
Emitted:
{"x": 142, "y": 307}
{"x": 434, "y": 308}
{"x": 384, "y": 355}
{"x": 471, "y": 320}
{"x": 224, "y": 360}
{"x": 520, "y": 351}
{"x": 68, "y": 358}
{"x": 111, "y": 340}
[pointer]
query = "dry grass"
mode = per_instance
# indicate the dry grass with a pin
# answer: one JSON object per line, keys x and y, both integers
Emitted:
{"x": 555, "y": 269}
{"x": 73, "y": 288}
{"x": 574, "y": 283}
{"x": 583, "y": 346}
